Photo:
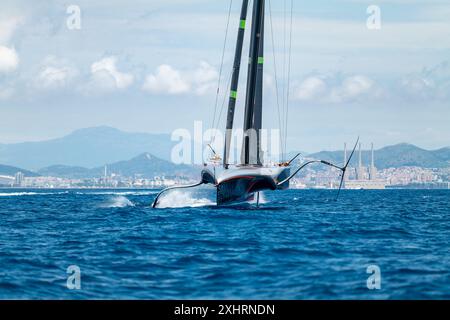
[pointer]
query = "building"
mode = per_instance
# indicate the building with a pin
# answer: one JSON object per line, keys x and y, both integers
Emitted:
{"x": 360, "y": 170}
{"x": 6, "y": 181}
{"x": 19, "y": 179}
{"x": 373, "y": 169}
{"x": 364, "y": 179}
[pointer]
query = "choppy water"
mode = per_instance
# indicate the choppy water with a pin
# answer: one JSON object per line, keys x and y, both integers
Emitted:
{"x": 298, "y": 245}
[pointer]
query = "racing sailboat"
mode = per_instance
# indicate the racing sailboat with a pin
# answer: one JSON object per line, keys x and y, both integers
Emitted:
{"x": 242, "y": 182}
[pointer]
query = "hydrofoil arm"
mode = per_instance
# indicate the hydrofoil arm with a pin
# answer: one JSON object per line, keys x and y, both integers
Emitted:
{"x": 207, "y": 177}
{"x": 343, "y": 169}
{"x": 155, "y": 203}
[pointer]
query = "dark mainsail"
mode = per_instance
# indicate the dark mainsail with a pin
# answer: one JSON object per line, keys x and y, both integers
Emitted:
{"x": 253, "y": 103}
{"x": 251, "y": 153}
{"x": 234, "y": 83}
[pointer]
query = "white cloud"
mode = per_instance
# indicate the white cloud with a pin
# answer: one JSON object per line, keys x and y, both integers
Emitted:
{"x": 352, "y": 88}
{"x": 168, "y": 80}
{"x": 53, "y": 76}
{"x": 311, "y": 88}
{"x": 329, "y": 88}
{"x": 416, "y": 86}
{"x": 431, "y": 84}
{"x": 106, "y": 76}
{"x": 9, "y": 60}
{"x": 55, "y": 73}
{"x": 205, "y": 78}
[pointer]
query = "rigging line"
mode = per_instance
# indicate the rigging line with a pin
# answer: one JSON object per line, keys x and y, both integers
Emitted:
{"x": 223, "y": 105}
{"x": 284, "y": 69}
{"x": 221, "y": 65}
{"x": 289, "y": 75}
{"x": 276, "y": 75}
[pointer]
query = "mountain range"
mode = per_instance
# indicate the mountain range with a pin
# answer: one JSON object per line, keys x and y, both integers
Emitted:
{"x": 144, "y": 166}
{"x": 84, "y": 153}
{"x": 395, "y": 156}
{"x": 11, "y": 171}
{"x": 88, "y": 148}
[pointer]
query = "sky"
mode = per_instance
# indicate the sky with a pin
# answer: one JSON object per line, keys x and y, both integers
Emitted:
{"x": 154, "y": 66}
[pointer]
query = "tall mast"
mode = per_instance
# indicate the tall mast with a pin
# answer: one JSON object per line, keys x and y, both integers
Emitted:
{"x": 257, "y": 113}
{"x": 234, "y": 83}
{"x": 250, "y": 152}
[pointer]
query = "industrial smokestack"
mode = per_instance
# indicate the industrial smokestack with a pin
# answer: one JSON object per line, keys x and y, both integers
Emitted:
{"x": 373, "y": 169}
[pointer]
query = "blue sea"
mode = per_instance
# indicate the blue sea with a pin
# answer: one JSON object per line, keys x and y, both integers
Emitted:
{"x": 300, "y": 244}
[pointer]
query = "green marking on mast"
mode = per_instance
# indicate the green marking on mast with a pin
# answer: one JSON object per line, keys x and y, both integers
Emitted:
{"x": 233, "y": 94}
{"x": 260, "y": 60}
{"x": 242, "y": 24}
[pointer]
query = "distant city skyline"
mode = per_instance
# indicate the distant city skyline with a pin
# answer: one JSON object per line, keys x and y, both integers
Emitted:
{"x": 153, "y": 67}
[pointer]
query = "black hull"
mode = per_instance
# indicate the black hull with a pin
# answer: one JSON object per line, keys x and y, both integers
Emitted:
{"x": 242, "y": 188}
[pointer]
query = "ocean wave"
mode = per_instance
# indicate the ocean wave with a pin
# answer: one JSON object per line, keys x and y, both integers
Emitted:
{"x": 183, "y": 199}
{"x": 20, "y": 194}
{"x": 117, "y": 202}
{"x": 118, "y": 193}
